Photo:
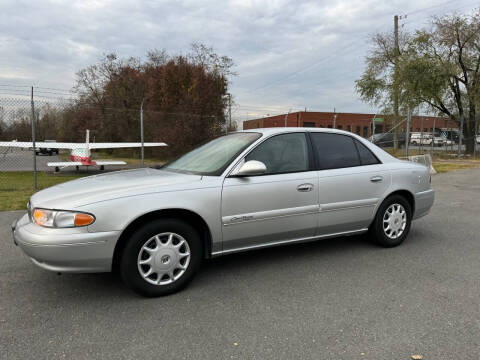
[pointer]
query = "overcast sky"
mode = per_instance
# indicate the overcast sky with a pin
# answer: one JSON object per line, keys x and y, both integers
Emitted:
{"x": 288, "y": 54}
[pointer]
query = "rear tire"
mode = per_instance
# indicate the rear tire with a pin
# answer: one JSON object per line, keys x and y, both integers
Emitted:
{"x": 392, "y": 222}
{"x": 161, "y": 257}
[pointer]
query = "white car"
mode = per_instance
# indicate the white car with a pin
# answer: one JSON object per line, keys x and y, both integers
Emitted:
{"x": 421, "y": 139}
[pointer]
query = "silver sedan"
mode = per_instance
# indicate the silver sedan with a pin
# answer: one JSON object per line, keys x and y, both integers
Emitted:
{"x": 243, "y": 191}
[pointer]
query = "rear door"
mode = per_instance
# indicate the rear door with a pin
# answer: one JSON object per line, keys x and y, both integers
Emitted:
{"x": 351, "y": 182}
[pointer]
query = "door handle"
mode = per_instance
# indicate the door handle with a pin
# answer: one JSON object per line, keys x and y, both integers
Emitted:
{"x": 376, "y": 179}
{"x": 305, "y": 187}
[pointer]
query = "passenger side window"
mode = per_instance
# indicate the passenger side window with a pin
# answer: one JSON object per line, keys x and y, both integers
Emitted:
{"x": 366, "y": 156}
{"x": 282, "y": 153}
{"x": 334, "y": 151}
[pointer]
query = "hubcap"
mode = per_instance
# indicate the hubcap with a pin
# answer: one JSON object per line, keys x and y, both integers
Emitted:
{"x": 163, "y": 258}
{"x": 394, "y": 221}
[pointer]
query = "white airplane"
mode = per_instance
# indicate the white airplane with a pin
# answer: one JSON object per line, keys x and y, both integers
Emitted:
{"x": 80, "y": 154}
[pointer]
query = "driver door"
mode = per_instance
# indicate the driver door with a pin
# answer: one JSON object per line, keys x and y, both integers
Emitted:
{"x": 277, "y": 206}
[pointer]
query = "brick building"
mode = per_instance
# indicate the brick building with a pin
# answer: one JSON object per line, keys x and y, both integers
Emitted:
{"x": 360, "y": 124}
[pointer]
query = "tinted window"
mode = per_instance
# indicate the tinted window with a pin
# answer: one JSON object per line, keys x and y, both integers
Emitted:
{"x": 366, "y": 156}
{"x": 334, "y": 151}
{"x": 282, "y": 153}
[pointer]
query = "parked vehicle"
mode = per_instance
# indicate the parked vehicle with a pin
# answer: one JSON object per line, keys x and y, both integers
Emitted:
{"x": 438, "y": 141}
{"x": 417, "y": 138}
{"x": 449, "y": 142}
{"x": 450, "y": 134}
{"x": 243, "y": 191}
{"x": 386, "y": 139}
{"x": 47, "y": 150}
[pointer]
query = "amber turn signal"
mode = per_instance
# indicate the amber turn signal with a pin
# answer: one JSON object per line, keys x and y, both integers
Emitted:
{"x": 83, "y": 219}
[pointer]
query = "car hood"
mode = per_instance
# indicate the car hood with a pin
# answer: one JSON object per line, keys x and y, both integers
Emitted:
{"x": 87, "y": 190}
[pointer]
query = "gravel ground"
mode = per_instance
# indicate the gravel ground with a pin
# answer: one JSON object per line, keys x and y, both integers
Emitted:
{"x": 333, "y": 299}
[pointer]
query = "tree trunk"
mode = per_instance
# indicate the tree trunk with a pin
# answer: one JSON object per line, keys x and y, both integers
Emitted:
{"x": 469, "y": 134}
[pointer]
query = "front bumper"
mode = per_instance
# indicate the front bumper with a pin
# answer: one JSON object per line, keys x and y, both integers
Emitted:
{"x": 65, "y": 250}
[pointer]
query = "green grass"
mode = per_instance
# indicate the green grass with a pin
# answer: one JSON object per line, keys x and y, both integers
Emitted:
{"x": 444, "y": 166}
{"x": 16, "y": 187}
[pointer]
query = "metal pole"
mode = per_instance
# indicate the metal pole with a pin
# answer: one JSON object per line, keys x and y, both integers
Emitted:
{"x": 421, "y": 138}
{"x": 407, "y": 133}
{"x": 335, "y": 121}
{"x": 373, "y": 127}
{"x": 475, "y": 139}
{"x": 433, "y": 135}
{"x": 33, "y": 144}
{"x": 286, "y": 116}
{"x": 230, "y": 110}
{"x": 141, "y": 130}
{"x": 396, "y": 54}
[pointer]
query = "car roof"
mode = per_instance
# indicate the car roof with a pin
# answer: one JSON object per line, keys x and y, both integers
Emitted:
{"x": 280, "y": 130}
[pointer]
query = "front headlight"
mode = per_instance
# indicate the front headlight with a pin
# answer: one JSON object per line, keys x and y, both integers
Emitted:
{"x": 61, "y": 218}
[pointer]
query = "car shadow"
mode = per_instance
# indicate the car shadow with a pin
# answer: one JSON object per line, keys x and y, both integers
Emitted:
{"x": 223, "y": 268}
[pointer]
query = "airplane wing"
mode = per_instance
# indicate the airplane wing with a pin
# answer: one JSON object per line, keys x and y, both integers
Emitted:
{"x": 109, "y": 162}
{"x": 50, "y": 145}
{"x": 93, "y": 163}
{"x": 122, "y": 145}
{"x": 65, "y": 164}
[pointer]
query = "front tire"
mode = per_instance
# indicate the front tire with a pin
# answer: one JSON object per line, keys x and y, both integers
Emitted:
{"x": 161, "y": 257}
{"x": 392, "y": 222}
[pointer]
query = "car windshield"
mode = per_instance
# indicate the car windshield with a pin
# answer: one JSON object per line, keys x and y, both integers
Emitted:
{"x": 213, "y": 157}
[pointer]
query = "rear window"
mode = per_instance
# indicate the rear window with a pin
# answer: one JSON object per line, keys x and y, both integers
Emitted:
{"x": 366, "y": 156}
{"x": 334, "y": 151}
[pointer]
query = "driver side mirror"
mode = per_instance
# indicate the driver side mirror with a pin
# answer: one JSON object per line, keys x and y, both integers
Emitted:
{"x": 250, "y": 168}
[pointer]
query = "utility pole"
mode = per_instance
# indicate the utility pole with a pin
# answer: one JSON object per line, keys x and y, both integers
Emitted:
{"x": 33, "y": 144}
{"x": 395, "y": 82}
{"x": 141, "y": 130}
{"x": 335, "y": 121}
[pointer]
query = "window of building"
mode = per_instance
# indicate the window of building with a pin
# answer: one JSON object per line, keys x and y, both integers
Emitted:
{"x": 334, "y": 151}
{"x": 339, "y": 127}
{"x": 308, "y": 124}
{"x": 365, "y": 131}
{"x": 329, "y": 126}
{"x": 349, "y": 128}
{"x": 357, "y": 130}
{"x": 282, "y": 153}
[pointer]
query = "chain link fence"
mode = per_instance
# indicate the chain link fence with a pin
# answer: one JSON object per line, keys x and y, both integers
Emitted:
{"x": 442, "y": 142}
{"x": 29, "y": 163}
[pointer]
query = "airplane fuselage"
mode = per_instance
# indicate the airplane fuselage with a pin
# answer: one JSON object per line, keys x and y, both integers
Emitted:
{"x": 85, "y": 160}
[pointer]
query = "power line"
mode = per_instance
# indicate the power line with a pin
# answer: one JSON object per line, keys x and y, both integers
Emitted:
{"x": 431, "y": 7}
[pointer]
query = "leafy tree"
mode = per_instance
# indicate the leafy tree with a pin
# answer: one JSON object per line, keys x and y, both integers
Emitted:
{"x": 438, "y": 68}
{"x": 183, "y": 97}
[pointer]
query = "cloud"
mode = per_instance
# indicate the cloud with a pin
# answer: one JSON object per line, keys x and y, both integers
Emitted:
{"x": 289, "y": 54}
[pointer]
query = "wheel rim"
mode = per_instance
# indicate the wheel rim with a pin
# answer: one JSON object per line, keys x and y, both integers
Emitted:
{"x": 163, "y": 258}
{"x": 394, "y": 221}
